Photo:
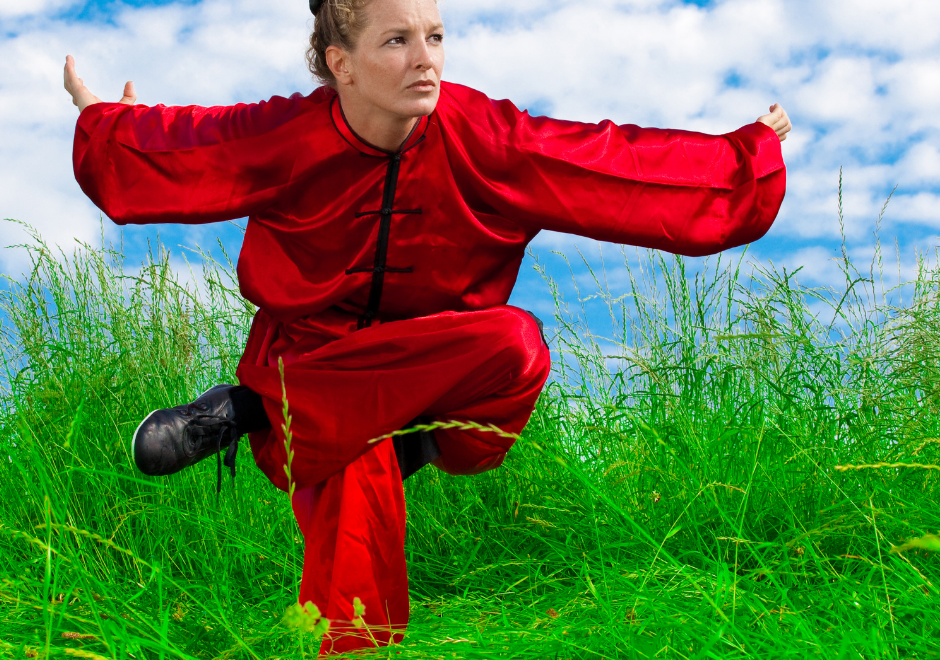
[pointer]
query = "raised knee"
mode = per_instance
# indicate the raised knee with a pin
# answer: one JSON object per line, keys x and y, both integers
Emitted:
{"x": 528, "y": 349}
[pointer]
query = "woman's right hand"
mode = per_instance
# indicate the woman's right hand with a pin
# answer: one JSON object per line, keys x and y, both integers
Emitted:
{"x": 82, "y": 96}
{"x": 777, "y": 120}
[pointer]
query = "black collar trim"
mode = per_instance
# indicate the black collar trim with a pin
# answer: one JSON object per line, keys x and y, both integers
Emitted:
{"x": 350, "y": 136}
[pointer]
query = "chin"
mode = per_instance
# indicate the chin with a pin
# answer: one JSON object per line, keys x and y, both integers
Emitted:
{"x": 419, "y": 107}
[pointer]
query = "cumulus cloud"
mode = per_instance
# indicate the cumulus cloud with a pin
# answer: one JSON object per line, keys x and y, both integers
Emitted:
{"x": 860, "y": 79}
{"x": 207, "y": 53}
{"x": 19, "y": 8}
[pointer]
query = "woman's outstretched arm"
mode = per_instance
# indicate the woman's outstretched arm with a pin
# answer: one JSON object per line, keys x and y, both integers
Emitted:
{"x": 190, "y": 164}
{"x": 683, "y": 192}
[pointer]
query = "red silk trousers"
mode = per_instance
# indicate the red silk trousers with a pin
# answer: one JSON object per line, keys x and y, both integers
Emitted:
{"x": 346, "y": 387}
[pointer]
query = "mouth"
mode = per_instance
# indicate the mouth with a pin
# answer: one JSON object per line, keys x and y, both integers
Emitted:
{"x": 423, "y": 86}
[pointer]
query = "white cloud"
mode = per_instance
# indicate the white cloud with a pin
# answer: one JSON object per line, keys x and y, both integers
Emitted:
{"x": 18, "y": 8}
{"x": 210, "y": 53}
{"x": 921, "y": 164}
{"x": 861, "y": 80}
{"x": 923, "y": 207}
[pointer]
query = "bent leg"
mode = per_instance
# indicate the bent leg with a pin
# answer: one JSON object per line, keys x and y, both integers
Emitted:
{"x": 486, "y": 367}
{"x": 354, "y": 547}
{"x": 505, "y": 400}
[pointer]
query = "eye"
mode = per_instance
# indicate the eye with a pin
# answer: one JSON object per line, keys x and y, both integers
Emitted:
{"x": 436, "y": 38}
{"x": 396, "y": 41}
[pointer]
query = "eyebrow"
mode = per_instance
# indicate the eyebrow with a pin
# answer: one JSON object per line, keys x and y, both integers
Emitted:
{"x": 404, "y": 30}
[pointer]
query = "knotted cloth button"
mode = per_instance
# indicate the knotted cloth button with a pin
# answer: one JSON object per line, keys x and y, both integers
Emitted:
{"x": 386, "y": 211}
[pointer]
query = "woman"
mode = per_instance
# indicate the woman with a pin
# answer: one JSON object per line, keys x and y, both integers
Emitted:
{"x": 388, "y": 216}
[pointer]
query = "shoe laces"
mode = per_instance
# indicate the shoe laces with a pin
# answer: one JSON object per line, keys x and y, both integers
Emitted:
{"x": 224, "y": 426}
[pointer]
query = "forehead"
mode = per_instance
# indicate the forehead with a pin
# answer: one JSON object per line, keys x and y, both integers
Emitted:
{"x": 394, "y": 14}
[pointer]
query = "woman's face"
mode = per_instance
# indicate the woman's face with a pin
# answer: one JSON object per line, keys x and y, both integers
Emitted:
{"x": 398, "y": 59}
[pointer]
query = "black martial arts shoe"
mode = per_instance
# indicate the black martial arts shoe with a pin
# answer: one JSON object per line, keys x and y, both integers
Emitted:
{"x": 172, "y": 439}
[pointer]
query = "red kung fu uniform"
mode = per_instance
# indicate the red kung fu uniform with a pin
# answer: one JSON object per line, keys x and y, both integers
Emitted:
{"x": 382, "y": 278}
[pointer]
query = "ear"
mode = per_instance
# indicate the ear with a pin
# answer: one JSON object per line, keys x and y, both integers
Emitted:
{"x": 337, "y": 59}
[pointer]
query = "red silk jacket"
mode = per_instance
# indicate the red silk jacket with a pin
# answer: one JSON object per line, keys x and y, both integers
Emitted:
{"x": 440, "y": 225}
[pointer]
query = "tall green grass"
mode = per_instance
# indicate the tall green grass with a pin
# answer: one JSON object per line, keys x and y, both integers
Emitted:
{"x": 677, "y": 493}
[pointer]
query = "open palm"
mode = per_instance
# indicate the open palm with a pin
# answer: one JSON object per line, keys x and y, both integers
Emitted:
{"x": 82, "y": 96}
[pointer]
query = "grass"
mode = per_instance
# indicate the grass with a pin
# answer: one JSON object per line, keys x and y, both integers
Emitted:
{"x": 677, "y": 493}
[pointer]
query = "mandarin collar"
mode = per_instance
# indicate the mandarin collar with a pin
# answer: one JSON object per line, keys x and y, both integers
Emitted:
{"x": 349, "y": 135}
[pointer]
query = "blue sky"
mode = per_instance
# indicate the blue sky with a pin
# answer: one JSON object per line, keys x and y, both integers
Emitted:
{"x": 860, "y": 79}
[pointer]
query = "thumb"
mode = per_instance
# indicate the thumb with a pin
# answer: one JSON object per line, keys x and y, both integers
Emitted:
{"x": 130, "y": 94}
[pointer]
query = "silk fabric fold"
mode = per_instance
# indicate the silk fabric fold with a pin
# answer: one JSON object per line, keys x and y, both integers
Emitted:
{"x": 423, "y": 245}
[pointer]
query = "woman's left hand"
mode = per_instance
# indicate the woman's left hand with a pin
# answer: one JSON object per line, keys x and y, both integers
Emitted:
{"x": 777, "y": 120}
{"x": 82, "y": 96}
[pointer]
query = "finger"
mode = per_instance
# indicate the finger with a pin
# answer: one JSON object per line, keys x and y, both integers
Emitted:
{"x": 775, "y": 115}
{"x": 769, "y": 121}
{"x": 130, "y": 94}
{"x": 782, "y": 120}
{"x": 69, "y": 73}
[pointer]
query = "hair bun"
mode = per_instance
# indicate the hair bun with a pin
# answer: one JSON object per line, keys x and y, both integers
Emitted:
{"x": 315, "y": 6}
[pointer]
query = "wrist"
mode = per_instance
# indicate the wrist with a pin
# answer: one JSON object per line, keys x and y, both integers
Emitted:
{"x": 82, "y": 106}
{"x": 83, "y": 100}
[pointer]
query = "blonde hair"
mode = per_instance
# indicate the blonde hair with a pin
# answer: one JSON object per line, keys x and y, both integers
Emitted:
{"x": 338, "y": 23}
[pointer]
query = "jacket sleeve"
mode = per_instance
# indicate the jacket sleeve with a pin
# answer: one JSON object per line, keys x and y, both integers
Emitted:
{"x": 192, "y": 164}
{"x": 679, "y": 191}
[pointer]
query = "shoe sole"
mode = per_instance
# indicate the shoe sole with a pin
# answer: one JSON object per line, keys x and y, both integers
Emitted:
{"x": 137, "y": 430}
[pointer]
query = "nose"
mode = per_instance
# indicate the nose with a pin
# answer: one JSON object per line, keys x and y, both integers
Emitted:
{"x": 422, "y": 56}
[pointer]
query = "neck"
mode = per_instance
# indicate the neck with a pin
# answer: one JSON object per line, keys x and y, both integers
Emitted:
{"x": 374, "y": 125}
